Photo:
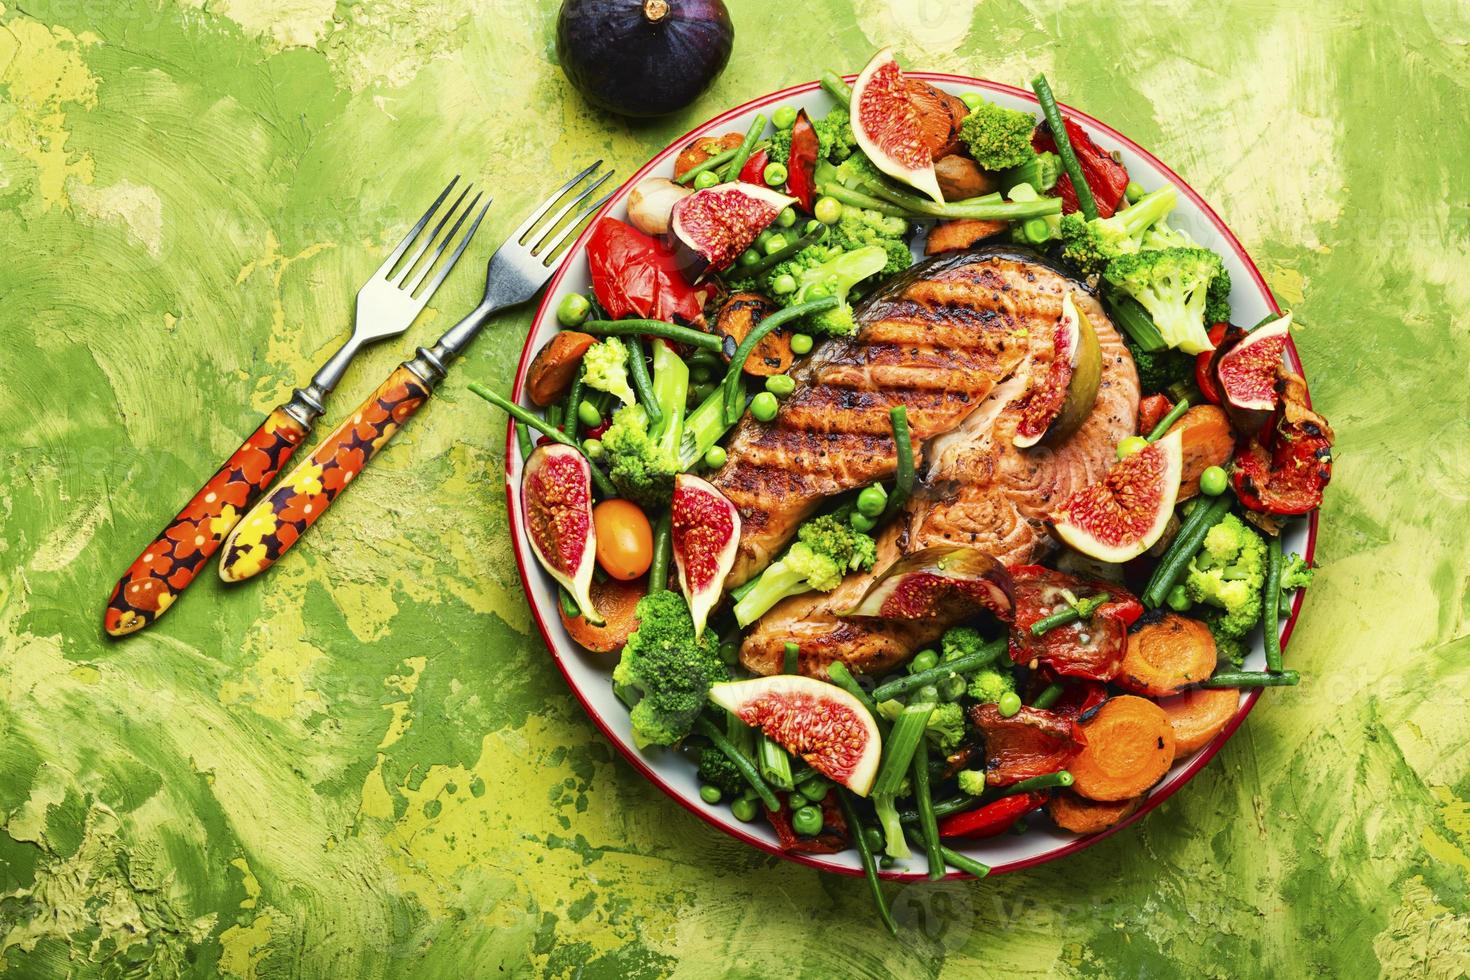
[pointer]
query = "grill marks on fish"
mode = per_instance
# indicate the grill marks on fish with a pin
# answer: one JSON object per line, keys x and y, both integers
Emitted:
{"x": 936, "y": 345}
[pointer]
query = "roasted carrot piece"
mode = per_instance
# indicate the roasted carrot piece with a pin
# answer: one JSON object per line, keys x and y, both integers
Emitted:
{"x": 701, "y": 148}
{"x": 1207, "y": 441}
{"x": 953, "y": 236}
{"x": 1130, "y": 745}
{"x": 1164, "y": 657}
{"x": 555, "y": 366}
{"x": 1199, "y": 715}
{"x": 743, "y": 312}
{"x": 1080, "y": 815}
{"x": 617, "y": 602}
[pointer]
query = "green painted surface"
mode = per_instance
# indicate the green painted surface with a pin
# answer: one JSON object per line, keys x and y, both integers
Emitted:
{"x": 363, "y": 765}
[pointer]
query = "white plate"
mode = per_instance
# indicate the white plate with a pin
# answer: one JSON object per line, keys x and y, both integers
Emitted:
{"x": 589, "y": 673}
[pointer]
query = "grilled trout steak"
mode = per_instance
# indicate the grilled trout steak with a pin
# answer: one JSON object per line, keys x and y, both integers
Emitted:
{"x": 976, "y": 489}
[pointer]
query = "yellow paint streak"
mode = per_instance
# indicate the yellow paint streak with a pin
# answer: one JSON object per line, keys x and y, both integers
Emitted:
{"x": 284, "y": 347}
{"x": 42, "y": 74}
{"x": 136, "y": 207}
{"x": 276, "y": 684}
{"x": 1423, "y": 938}
{"x": 288, "y": 23}
{"x": 243, "y": 947}
{"x": 248, "y": 881}
{"x": 405, "y": 684}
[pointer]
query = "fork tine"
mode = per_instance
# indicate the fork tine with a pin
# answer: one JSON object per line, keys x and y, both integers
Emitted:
{"x": 413, "y": 232}
{"x": 551, "y": 226}
{"x": 574, "y": 228}
{"x": 443, "y": 244}
{"x": 426, "y": 240}
{"x": 458, "y": 251}
{"x": 524, "y": 230}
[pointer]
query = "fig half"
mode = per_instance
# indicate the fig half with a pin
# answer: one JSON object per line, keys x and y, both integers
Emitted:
{"x": 713, "y": 226}
{"x": 1247, "y": 372}
{"x": 706, "y": 535}
{"x": 925, "y": 583}
{"x": 1060, "y": 398}
{"x": 556, "y": 497}
{"x": 889, "y": 127}
{"x": 1122, "y": 515}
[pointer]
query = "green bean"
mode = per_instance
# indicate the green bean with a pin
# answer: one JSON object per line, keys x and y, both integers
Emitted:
{"x": 709, "y": 163}
{"x": 865, "y": 855}
{"x": 836, "y": 86}
{"x": 966, "y": 864}
{"x": 568, "y": 604}
{"x": 858, "y": 199}
{"x": 946, "y": 670}
{"x": 572, "y": 407}
{"x": 1050, "y": 780}
{"x": 747, "y": 146}
{"x": 1085, "y": 202}
{"x": 523, "y": 436}
{"x": 903, "y": 480}
{"x": 1083, "y": 609}
{"x": 740, "y": 760}
{"x": 942, "y": 809}
{"x": 898, "y": 749}
{"x": 1250, "y": 678}
{"x": 1191, "y": 533}
{"x": 642, "y": 383}
{"x": 654, "y": 328}
{"x": 658, "y": 570}
{"x": 1048, "y": 696}
{"x": 928, "y": 823}
{"x": 730, "y": 386}
{"x": 1174, "y": 415}
{"x": 838, "y": 674}
{"x": 540, "y": 425}
{"x": 781, "y": 255}
{"x": 789, "y": 659}
{"x": 991, "y": 207}
{"x": 553, "y": 415}
{"x": 1271, "y": 613}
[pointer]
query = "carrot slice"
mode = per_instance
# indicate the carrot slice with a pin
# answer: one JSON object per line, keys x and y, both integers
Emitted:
{"x": 701, "y": 148}
{"x": 1199, "y": 715}
{"x": 617, "y": 602}
{"x": 1207, "y": 441}
{"x": 959, "y": 234}
{"x": 555, "y": 366}
{"x": 1130, "y": 745}
{"x": 1168, "y": 655}
{"x": 741, "y": 314}
{"x": 1083, "y": 816}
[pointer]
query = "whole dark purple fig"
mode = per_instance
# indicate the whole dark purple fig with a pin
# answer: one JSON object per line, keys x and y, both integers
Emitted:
{"x": 643, "y": 57}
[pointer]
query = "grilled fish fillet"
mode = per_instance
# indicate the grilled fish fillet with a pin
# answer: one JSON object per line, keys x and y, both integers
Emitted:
{"x": 977, "y": 489}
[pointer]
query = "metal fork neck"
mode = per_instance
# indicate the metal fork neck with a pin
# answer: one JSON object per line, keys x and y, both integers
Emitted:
{"x": 431, "y": 364}
{"x": 307, "y": 404}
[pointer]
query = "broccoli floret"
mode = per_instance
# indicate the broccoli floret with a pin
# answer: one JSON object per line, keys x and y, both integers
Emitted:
{"x": 716, "y": 769}
{"x": 946, "y": 726}
{"x": 1228, "y": 573}
{"x": 821, "y": 271}
{"x": 971, "y": 781}
{"x": 778, "y": 146}
{"x": 1230, "y": 648}
{"x": 998, "y": 138}
{"x": 1042, "y": 172}
{"x": 640, "y": 470}
{"x": 859, "y": 227}
{"x": 1159, "y": 369}
{"x": 1163, "y": 236}
{"x": 988, "y": 683}
{"x": 960, "y": 641}
{"x": 1172, "y": 285}
{"x": 1091, "y": 245}
{"x": 1217, "y": 298}
{"x": 672, "y": 669}
{"x": 1295, "y": 574}
{"x": 826, "y": 549}
{"x": 606, "y": 368}
{"x": 834, "y": 134}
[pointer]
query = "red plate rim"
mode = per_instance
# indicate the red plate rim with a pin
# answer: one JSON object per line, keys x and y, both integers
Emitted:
{"x": 1201, "y": 758}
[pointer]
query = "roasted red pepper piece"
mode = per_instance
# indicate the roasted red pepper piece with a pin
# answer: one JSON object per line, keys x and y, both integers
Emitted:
{"x": 992, "y": 818}
{"x": 801, "y": 166}
{"x": 1092, "y": 649}
{"x": 1078, "y": 696}
{"x": 636, "y": 275}
{"x": 1204, "y": 364}
{"x": 1107, "y": 178}
{"x": 1151, "y": 410}
{"x": 1033, "y": 742}
{"x": 754, "y": 170}
{"x": 1284, "y": 469}
{"x": 832, "y": 839}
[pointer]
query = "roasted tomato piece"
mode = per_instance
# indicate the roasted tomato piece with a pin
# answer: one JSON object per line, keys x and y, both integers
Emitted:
{"x": 1078, "y": 698}
{"x": 636, "y": 275}
{"x": 1151, "y": 411}
{"x": 832, "y": 839}
{"x": 992, "y": 818}
{"x": 1092, "y": 648}
{"x": 1204, "y": 364}
{"x": 801, "y": 166}
{"x": 1284, "y": 469}
{"x": 1106, "y": 177}
{"x": 1031, "y": 742}
{"x": 755, "y": 168}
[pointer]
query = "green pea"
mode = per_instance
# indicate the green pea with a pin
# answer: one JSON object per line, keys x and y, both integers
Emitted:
{"x": 951, "y": 688}
{"x": 800, "y": 343}
{"x": 783, "y": 284}
{"x": 927, "y": 693}
{"x": 807, "y": 821}
{"x": 698, "y": 393}
{"x": 710, "y": 794}
{"x": 827, "y": 210}
{"x": 871, "y": 501}
{"x": 1134, "y": 191}
{"x": 818, "y": 291}
{"x": 1212, "y": 481}
{"x": 700, "y": 373}
{"x": 815, "y": 789}
{"x": 588, "y": 415}
{"x": 1010, "y": 703}
{"x": 1130, "y": 446}
{"x": 714, "y": 457}
{"x": 796, "y": 800}
{"x": 923, "y": 660}
{"x": 706, "y": 178}
{"x": 774, "y": 175}
{"x": 729, "y": 651}
{"x": 972, "y": 99}
{"x": 784, "y": 117}
{"x": 572, "y": 310}
{"x": 861, "y": 522}
{"x": 1036, "y": 231}
{"x": 764, "y": 406}
{"x": 762, "y": 238}
{"x": 743, "y": 810}
{"x": 774, "y": 244}
{"x": 786, "y": 218}
{"x": 780, "y": 385}
{"x": 1178, "y": 599}
{"x": 812, "y": 225}
{"x": 749, "y": 257}
{"x": 875, "y": 838}
{"x": 592, "y": 447}
{"x": 885, "y": 862}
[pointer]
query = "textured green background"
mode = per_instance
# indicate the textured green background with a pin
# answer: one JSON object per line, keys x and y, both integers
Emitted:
{"x": 364, "y": 765}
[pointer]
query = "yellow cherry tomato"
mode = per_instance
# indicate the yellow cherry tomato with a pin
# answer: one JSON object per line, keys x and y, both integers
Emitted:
{"x": 624, "y": 539}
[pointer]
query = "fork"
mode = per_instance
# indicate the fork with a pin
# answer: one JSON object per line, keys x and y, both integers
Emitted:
{"x": 516, "y": 272}
{"x": 386, "y": 306}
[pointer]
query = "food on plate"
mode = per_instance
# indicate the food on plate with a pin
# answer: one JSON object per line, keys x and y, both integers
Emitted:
{"x": 913, "y": 550}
